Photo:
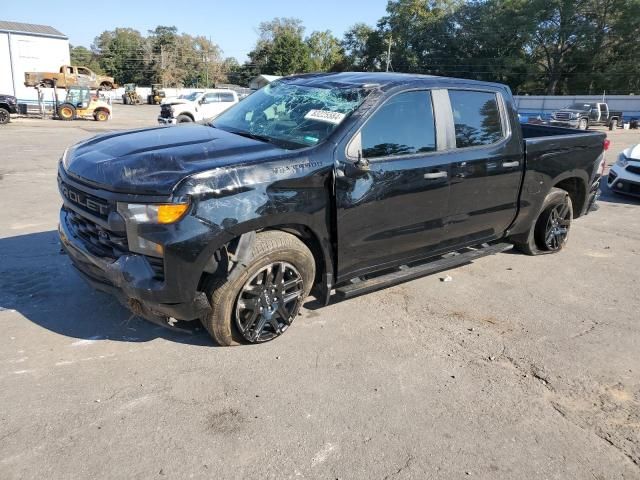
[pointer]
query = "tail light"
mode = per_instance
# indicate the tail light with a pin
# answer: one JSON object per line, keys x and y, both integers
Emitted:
{"x": 606, "y": 144}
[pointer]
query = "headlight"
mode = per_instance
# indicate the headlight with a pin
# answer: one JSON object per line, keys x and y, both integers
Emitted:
{"x": 622, "y": 161}
{"x": 162, "y": 213}
{"x": 65, "y": 158}
{"x": 574, "y": 115}
{"x": 137, "y": 214}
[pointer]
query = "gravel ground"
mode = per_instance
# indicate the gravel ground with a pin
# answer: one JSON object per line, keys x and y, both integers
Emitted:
{"x": 519, "y": 368}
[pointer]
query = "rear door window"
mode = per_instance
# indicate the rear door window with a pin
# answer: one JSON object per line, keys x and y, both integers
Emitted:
{"x": 476, "y": 117}
{"x": 226, "y": 97}
{"x": 212, "y": 98}
{"x": 404, "y": 125}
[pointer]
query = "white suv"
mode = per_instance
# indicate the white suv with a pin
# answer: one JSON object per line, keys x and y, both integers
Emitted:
{"x": 197, "y": 106}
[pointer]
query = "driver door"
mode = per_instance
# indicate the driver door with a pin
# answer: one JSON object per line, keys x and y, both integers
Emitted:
{"x": 395, "y": 210}
{"x": 209, "y": 105}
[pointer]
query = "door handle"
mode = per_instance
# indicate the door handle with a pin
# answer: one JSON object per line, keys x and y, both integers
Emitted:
{"x": 510, "y": 164}
{"x": 432, "y": 175}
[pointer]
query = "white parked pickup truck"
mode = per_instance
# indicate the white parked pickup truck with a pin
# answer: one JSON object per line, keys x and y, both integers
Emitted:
{"x": 196, "y": 107}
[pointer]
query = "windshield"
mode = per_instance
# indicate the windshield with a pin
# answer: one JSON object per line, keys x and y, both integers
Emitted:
{"x": 191, "y": 96}
{"x": 579, "y": 106}
{"x": 291, "y": 116}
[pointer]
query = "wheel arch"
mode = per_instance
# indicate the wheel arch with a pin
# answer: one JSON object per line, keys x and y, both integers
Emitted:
{"x": 576, "y": 187}
{"x": 240, "y": 244}
{"x": 187, "y": 114}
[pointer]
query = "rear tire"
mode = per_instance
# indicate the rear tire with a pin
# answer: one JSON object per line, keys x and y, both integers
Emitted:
{"x": 5, "y": 117}
{"x": 549, "y": 233}
{"x": 184, "y": 119}
{"x": 261, "y": 302}
{"x": 613, "y": 124}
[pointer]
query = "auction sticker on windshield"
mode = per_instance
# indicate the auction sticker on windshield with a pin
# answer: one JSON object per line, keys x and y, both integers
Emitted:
{"x": 325, "y": 116}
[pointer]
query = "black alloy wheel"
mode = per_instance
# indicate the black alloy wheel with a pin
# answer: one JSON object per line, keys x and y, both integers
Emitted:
{"x": 269, "y": 301}
{"x": 557, "y": 228}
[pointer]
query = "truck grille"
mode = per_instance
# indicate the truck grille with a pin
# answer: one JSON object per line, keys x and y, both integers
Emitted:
{"x": 106, "y": 244}
{"x": 98, "y": 241}
{"x": 562, "y": 116}
{"x": 165, "y": 111}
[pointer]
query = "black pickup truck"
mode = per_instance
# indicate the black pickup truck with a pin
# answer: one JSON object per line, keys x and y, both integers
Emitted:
{"x": 334, "y": 184}
{"x": 582, "y": 115}
{"x": 8, "y": 105}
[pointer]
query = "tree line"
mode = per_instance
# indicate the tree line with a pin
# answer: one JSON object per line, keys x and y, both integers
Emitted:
{"x": 534, "y": 46}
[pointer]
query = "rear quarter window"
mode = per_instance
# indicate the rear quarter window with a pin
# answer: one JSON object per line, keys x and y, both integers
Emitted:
{"x": 476, "y": 117}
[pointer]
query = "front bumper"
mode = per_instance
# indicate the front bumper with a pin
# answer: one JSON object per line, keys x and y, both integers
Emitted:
{"x": 130, "y": 278}
{"x": 167, "y": 121}
{"x": 620, "y": 180}
{"x": 564, "y": 123}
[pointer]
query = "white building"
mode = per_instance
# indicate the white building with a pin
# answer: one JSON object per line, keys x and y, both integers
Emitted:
{"x": 29, "y": 48}
{"x": 262, "y": 80}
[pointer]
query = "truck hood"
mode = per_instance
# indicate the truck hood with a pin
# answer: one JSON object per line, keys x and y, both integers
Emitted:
{"x": 571, "y": 110}
{"x": 176, "y": 101}
{"x": 152, "y": 161}
{"x": 632, "y": 153}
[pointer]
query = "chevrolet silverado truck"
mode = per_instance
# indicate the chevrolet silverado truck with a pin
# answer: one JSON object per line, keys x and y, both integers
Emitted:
{"x": 198, "y": 106}
{"x": 68, "y": 76}
{"x": 582, "y": 115}
{"x": 334, "y": 184}
{"x": 8, "y": 106}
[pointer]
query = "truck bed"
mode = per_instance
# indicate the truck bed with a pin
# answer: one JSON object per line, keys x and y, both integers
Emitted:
{"x": 554, "y": 153}
{"x": 576, "y": 146}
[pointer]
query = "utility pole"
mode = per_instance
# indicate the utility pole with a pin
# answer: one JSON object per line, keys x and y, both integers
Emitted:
{"x": 389, "y": 52}
{"x": 162, "y": 64}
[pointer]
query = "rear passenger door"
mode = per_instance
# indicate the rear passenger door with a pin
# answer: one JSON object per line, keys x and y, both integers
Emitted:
{"x": 486, "y": 169}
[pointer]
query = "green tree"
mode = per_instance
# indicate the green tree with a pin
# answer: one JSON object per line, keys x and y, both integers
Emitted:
{"x": 280, "y": 49}
{"x": 363, "y": 48}
{"x": 83, "y": 56}
{"x": 121, "y": 53}
{"x": 325, "y": 51}
{"x": 289, "y": 54}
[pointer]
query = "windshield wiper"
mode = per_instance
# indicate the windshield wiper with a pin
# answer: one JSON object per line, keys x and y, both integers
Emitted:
{"x": 254, "y": 136}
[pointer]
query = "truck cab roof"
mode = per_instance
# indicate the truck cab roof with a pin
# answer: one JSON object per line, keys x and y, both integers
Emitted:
{"x": 383, "y": 80}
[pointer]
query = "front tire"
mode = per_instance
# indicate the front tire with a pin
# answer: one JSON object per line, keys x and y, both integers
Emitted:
{"x": 184, "y": 119}
{"x": 66, "y": 112}
{"x": 5, "y": 117}
{"x": 583, "y": 124}
{"x": 261, "y": 302}
{"x": 549, "y": 233}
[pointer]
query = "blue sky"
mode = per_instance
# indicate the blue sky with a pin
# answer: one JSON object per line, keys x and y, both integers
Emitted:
{"x": 231, "y": 24}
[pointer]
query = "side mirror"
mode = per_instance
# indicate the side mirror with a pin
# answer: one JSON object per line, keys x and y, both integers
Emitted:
{"x": 362, "y": 163}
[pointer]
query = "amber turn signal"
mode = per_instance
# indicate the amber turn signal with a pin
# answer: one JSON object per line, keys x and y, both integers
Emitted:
{"x": 171, "y": 212}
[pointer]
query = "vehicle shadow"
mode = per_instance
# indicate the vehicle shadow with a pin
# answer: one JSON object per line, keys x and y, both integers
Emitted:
{"x": 38, "y": 281}
{"x": 608, "y": 196}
